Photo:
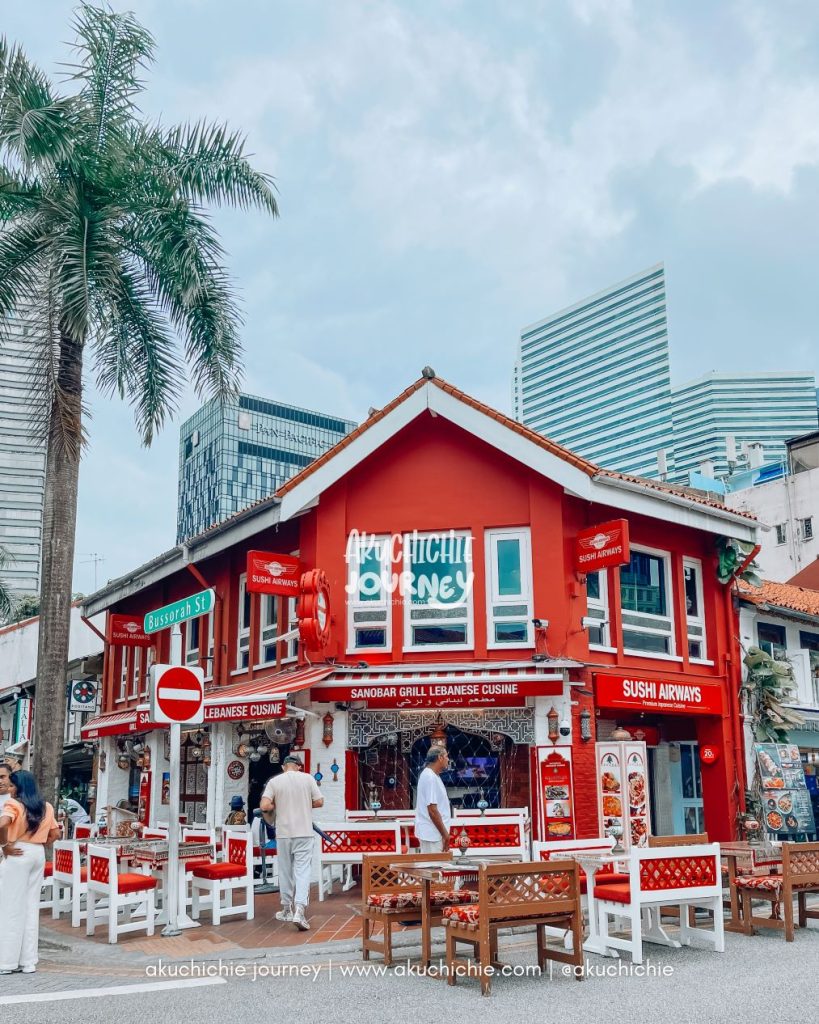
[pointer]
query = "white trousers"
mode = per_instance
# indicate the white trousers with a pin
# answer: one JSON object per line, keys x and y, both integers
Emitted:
{"x": 295, "y": 860}
{"x": 20, "y": 885}
{"x": 432, "y": 845}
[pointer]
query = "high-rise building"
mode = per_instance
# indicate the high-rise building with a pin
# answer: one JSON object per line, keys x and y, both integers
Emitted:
{"x": 22, "y": 465}
{"x": 234, "y": 453}
{"x": 596, "y": 377}
{"x": 718, "y": 416}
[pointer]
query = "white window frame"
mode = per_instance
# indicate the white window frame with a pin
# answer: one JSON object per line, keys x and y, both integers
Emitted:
{"x": 600, "y": 604}
{"x": 210, "y": 626}
{"x": 781, "y": 533}
{"x": 266, "y": 633}
{"x": 148, "y": 656}
{"x": 806, "y": 526}
{"x": 669, "y": 618}
{"x": 133, "y": 671}
{"x": 495, "y": 599}
{"x": 192, "y": 653}
{"x": 696, "y": 620}
{"x": 469, "y": 643}
{"x": 123, "y": 674}
{"x": 382, "y": 607}
{"x": 242, "y": 632}
{"x": 292, "y": 647}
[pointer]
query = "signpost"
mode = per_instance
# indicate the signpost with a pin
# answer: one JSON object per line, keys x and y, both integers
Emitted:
{"x": 187, "y": 608}
{"x": 177, "y": 697}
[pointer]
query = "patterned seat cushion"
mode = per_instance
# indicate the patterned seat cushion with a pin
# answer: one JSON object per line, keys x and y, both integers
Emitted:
{"x": 410, "y": 898}
{"x": 461, "y": 915}
{"x": 768, "y": 883}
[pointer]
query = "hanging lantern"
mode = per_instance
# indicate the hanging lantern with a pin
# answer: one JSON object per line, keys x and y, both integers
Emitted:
{"x": 585, "y": 724}
{"x": 124, "y": 762}
{"x": 327, "y": 733}
{"x": 438, "y": 734}
{"x": 621, "y": 735}
{"x": 275, "y": 755}
{"x": 553, "y": 719}
{"x": 298, "y": 739}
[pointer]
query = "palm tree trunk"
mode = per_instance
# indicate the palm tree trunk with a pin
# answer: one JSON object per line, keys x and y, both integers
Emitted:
{"x": 59, "y": 528}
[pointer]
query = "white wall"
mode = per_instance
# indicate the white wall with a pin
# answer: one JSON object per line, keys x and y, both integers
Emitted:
{"x": 18, "y": 647}
{"x": 788, "y": 500}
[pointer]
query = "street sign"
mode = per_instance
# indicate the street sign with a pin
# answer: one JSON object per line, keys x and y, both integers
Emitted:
{"x": 188, "y": 608}
{"x": 177, "y": 694}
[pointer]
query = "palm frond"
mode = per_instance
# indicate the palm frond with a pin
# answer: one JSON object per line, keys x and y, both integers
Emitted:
{"x": 6, "y": 600}
{"x": 35, "y": 125}
{"x": 112, "y": 49}
{"x": 208, "y": 164}
{"x": 19, "y": 193}
{"x": 23, "y": 245}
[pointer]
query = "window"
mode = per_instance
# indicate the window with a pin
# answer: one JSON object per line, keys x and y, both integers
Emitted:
{"x": 192, "y": 631}
{"x": 438, "y": 601}
{"x": 292, "y": 650}
{"x": 772, "y": 639}
{"x": 509, "y": 588}
{"x": 368, "y": 596}
{"x": 597, "y": 608}
{"x": 807, "y": 528}
{"x": 209, "y": 659}
{"x": 133, "y": 671}
{"x": 123, "y": 672}
{"x": 781, "y": 533}
{"x": 268, "y": 628}
{"x": 694, "y": 610}
{"x": 509, "y": 593}
{"x": 648, "y": 626}
{"x": 148, "y": 656}
{"x": 243, "y": 626}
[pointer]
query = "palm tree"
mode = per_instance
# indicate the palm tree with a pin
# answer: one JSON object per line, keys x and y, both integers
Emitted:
{"x": 6, "y": 601}
{"x": 105, "y": 243}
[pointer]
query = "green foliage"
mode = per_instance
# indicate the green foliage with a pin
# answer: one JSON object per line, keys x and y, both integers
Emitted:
{"x": 768, "y": 683}
{"x": 731, "y": 554}
{"x": 104, "y": 240}
{"x": 26, "y": 607}
{"x": 6, "y": 601}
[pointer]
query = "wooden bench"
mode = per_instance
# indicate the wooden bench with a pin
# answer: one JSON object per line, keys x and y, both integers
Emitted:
{"x": 544, "y": 895}
{"x": 800, "y": 877}
{"x": 391, "y": 897}
{"x": 687, "y": 876}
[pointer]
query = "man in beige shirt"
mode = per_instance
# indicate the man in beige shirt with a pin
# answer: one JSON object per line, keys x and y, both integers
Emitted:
{"x": 293, "y": 795}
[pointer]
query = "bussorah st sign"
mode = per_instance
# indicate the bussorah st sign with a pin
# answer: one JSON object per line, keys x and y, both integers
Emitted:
{"x": 179, "y": 611}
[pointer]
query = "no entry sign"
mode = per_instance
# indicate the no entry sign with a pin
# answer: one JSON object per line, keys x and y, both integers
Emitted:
{"x": 177, "y": 694}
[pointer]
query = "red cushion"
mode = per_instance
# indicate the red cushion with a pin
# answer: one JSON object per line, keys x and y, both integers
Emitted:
{"x": 195, "y": 862}
{"x": 216, "y": 870}
{"x": 463, "y": 914}
{"x": 133, "y": 882}
{"x": 614, "y": 877}
{"x": 48, "y": 870}
{"x": 616, "y": 892}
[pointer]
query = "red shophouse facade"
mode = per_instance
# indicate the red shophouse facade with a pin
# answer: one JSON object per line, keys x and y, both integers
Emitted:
{"x": 648, "y": 647}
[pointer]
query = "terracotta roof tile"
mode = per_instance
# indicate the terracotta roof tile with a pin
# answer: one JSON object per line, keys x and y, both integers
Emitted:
{"x": 782, "y": 595}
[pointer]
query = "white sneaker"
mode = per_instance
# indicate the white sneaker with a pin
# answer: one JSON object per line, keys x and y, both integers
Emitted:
{"x": 28, "y": 970}
{"x": 285, "y": 914}
{"x": 299, "y": 920}
{"x": 8, "y": 972}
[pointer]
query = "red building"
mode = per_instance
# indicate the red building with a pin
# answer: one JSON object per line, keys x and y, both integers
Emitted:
{"x": 458, "y": 608}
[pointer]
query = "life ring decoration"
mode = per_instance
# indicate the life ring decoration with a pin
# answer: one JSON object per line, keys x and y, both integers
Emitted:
{"x": 313, "y": 610}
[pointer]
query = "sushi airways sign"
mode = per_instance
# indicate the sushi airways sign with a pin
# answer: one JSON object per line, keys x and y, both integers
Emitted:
{"x": 668, "y": 696}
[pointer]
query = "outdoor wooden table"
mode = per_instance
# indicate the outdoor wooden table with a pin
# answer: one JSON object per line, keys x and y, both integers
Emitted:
{"x": 153, "y": 854}
{"x": 750, "y": 856}
{"x": 426, "y": 875}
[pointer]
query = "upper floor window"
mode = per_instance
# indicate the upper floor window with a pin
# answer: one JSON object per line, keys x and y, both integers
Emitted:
{"x": 645, "y": 598}
{"x": 368, "y": 597}
{"x": 147, "y": 658}
{"x": 243, "y": 625}
{"x": 509, "y": 588}
{"x": 694, "y": 609}
{"x": 781, "y": 533}
{"x": 597, "y": 608}
{"x": 193, "y": 628}
{"x": 268, "y": 628}
{"x": 123, "y": 672}
{"x": 438, "y": 612}
{"x": 291, "y": 649}
{"x": 807, "y": 528}
{"x": 772, "y": 639}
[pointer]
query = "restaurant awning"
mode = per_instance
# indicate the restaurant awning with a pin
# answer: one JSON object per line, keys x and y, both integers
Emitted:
{"x": 467, "y": 684}
{"x": 117, "y": 723}
{"x": 260, "y": 699}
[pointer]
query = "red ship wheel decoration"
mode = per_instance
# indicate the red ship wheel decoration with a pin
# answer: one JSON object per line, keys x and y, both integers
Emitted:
{"x": 313, "y": 610}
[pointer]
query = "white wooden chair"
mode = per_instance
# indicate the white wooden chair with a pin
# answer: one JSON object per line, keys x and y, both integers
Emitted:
{"x": 69, "y": 881}
{"x": 124, "y": 891}
{"x": 501, "y": 835}
{"x": 221, "y": 878}
{"x": 685, "y": 876}
{"x": 346, "y": 844}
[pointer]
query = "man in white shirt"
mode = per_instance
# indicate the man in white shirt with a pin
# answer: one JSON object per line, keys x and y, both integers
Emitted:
{"x": 293, "y": 795}
{"x": 433, "y": 813}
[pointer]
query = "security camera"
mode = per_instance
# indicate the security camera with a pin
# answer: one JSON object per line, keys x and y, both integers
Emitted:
{"x": 565, "y": 727}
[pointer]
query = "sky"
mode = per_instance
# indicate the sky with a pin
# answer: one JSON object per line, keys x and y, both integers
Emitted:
{"x": 449, "y": 171}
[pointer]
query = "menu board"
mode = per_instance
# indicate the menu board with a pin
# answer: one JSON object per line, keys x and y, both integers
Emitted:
{"x": 622, "y": 792}
{"x": 557, "y": 796}
{"x": 786, "y": 804}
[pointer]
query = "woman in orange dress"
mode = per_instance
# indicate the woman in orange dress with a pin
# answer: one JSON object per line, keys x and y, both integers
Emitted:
{"x": 27, "y": 823}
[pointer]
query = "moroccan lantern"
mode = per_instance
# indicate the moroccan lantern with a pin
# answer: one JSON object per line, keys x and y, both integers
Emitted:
{"x": 553, "y": 719}
{"x": 327, "y": 731}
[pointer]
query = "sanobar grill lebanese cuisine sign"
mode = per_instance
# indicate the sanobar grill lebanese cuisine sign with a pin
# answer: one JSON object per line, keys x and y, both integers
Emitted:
{"x": 411, "y": 696}
{"x": 639, "y": 692}
{"x": 597, "y": 547}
